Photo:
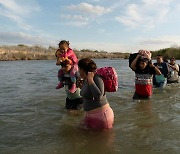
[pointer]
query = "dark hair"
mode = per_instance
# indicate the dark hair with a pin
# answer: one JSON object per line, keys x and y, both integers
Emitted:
{"x": 160, "y": 55}
{"x": 64, "y": 42}
{"x": 165, "y": 60}
{"x": 172, "y": 58}
{"x": 87, "y": 65}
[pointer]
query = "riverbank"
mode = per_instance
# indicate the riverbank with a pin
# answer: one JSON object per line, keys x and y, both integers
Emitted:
{"x": 23, "y": 52}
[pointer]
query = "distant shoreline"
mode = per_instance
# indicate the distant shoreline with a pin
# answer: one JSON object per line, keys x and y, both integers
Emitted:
{"x": 23, "y": 52}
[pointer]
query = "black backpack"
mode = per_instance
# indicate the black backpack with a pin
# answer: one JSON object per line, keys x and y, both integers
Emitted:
{"x": 131, "y": 58}
{"x": 179, "y": 70}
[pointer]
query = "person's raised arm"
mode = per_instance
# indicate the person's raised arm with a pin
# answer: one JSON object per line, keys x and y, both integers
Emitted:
{"x": 158, "y": 72}
{"x": 97, "y": 89}
{"x": 174, "y": 67}
{"x": 133, "y": 64}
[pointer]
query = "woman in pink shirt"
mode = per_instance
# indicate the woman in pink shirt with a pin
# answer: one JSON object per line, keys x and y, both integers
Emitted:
{"x": 65, "y": 52}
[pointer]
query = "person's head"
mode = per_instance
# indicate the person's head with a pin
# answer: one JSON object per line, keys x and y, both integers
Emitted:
{"x": 159, "y": 59}
{"x": 66, "y": 65}
{"x": 86, "y": 65}
{"x": 143, "y": 62}
{"x": 63, "y": 45}
{"x": 172, "y": 60}
{"x": 165, "y": 60}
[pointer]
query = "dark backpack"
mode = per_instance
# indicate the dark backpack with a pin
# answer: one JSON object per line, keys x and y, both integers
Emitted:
{"x": 131, "y": 58}
{"x": 179, "y": 70}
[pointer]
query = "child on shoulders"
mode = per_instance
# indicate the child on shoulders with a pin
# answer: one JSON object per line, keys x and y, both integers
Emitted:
{"x": 66, "y": 53}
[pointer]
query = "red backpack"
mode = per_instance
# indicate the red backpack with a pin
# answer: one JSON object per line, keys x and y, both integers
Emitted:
{"x": 109, "y": 77}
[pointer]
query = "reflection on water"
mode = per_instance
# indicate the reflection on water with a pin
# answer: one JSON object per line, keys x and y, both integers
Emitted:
{"x": 33, "y": 118}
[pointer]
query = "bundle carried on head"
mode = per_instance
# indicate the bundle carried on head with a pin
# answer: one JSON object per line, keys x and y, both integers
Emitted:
{"x": 145, "y": 54}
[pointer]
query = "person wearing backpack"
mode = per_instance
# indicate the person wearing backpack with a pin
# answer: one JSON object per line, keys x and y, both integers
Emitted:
{"x": 144, "y": 71}
{"x": 161, "y": 81}
{"x": 174, "y": 69}
{"x": 98, "y": 113}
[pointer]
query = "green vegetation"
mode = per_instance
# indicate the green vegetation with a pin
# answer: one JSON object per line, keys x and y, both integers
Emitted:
{"x": 168, "y": 52}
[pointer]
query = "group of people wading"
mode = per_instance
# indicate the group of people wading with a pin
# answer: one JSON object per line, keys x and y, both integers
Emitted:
{"x": 86, "y": 88}
{"x": 149, "y": 75}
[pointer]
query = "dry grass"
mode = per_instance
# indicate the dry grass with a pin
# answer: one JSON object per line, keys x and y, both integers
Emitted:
{"x": 24, "y": 52}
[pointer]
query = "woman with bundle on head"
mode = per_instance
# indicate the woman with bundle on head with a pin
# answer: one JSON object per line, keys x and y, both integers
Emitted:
{"x": 144, "y": 71}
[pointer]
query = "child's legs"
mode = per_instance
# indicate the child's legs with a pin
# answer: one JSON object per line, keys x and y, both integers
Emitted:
{"x": 60, "y": 75}
{"x": 73, "y": 79}
{"x": 73, "y": 73}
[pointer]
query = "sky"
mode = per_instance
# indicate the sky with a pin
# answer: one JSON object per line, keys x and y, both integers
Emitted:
{"x": 109, "y": 25}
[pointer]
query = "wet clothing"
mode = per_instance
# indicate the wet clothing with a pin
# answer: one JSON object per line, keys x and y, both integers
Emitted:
{"x": 143, "y": 82}
{"x": 173, "y": 76}
{"x": 74, "y": 95}
{"x": 73, "y": 100}
{"x": 163, "y": 67}
{"x": 137, "y": 96}
{"x": 99, "y": 119}
{"x": 99, "y": 114}
{"x": 75, "y": 104}
{"x": 93, "y": 94}
{"x": 161, "y": 83}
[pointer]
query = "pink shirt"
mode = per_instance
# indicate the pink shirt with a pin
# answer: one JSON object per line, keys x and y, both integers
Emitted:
{"x": 71, "y": 55}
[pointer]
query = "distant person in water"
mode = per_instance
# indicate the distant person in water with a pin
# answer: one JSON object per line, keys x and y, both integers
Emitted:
{"x": 165, "y": 60}
{"x": 144, "y": 71}
{"x": 173, "y": 69}
{"x": 161, "y": 81}
{"x": 99, "y": 114}
{"x": 65, "y": 52}
{"x": 74, "y": 100}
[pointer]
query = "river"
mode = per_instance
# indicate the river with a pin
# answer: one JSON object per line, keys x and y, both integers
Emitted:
{"x": 33, "y": 118}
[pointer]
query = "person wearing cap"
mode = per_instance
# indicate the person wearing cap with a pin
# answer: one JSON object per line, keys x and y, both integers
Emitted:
{"x": 144, "y": 71}
{"x": 174, "y": 69}
{"x": 160, "y": 81}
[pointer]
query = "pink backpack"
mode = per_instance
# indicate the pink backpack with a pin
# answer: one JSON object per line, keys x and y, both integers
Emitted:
{"x": 109, "y": 77}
